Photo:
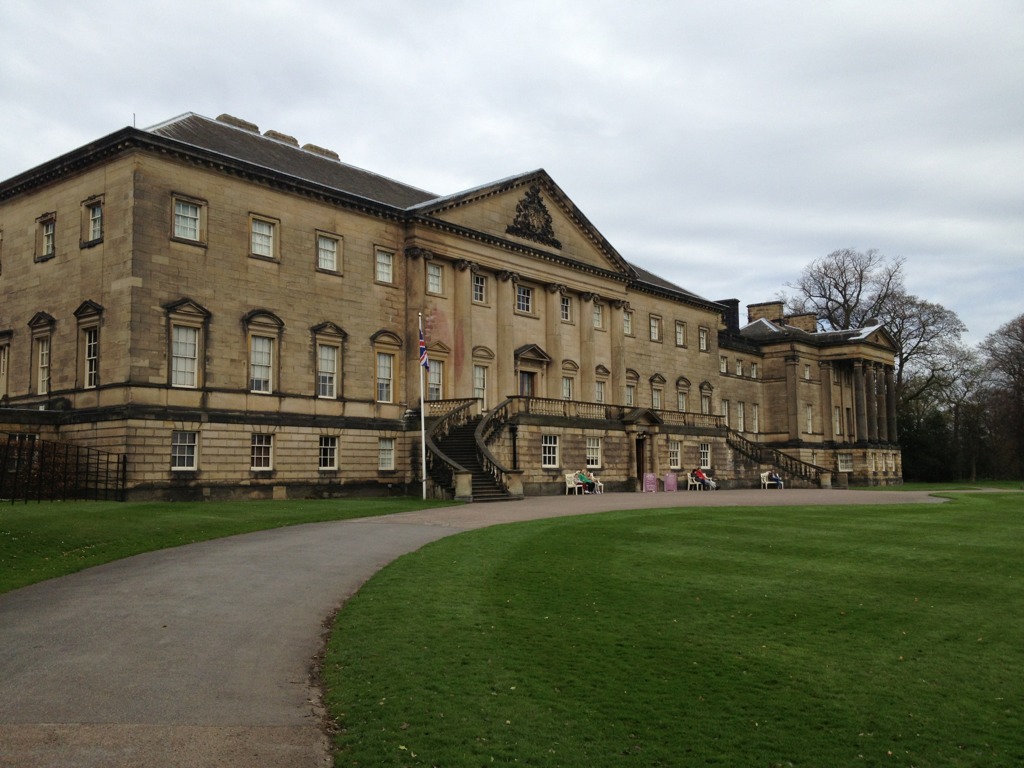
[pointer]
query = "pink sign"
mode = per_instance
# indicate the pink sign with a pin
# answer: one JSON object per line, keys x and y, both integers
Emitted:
{"x": 671, "y": 482}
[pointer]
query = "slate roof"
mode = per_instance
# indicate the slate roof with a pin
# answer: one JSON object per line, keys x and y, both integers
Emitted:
{"x": 763, "y": 330}
{"x": 661, "y": 285}
{"x": 280, "y": 155}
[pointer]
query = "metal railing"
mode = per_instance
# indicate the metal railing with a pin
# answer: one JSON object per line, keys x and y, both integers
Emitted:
{"x": 487, "y": 431}
{"x": 576, "y": 409}
{"x": 36, "y": 469}
{"x": 763, "y": 454}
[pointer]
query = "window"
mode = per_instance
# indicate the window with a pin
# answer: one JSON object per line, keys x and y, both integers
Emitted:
{"x": 328, "y": 453}
{"x": 261, "y": 452}
{"x": 183, "y": 451}
{"x": 549, "y": 450}
{"x": 46, "y": 242}
{"x": 92, "y": 221}
{"x": 846, "y": 462}
{"x": 328, "y": 253}
{"x": 480, "y": 384}
{"x": 184, "y": 356}
{"x": 724, "y": 406}
{"x": 723, "y": 365}
{"x": 567, "y": 387}
{"x": 680, "y": 333}
{"x": 326, "y": 370}
{"x": 704, "y": 339}
{"x": 598, "y": 315}
{"x": 186, "y": 342}
{"x": 526, "y": 383}
{"x": 809, "y": 418}
{"x": 386, "y": 454}
{"x": 435, "y": 278}
{"x": 656, "y": 398}
{"x": 188, "y": 220}
{"x": 755, "y": 417}
{"x": 593, "y": 452}
{"x": 524, "y": 299}
{"x": 263, "y": 238}
{"x": 705, "y": 455}
{"x": 741, "y": 417}
{"x": 674, "y": 460}
{"x": 739, "y": 367}
{"x": 807, "y": 373}
{"x": 753, "y": 370}
{"x": 655, "y": 328}
{"x": 627, "y": 322}
{"x": 631, "y": 395}
{"x": 261, "y": 359}
{"x": 705, "y": 403}
{"x": 385, "y": 377}
{"x": 435, "y": 380}
{"x": 566, "y": 309}
{"x": 599, "y": 391}
{"x": 43, "y": 365}
{"x": 385, "y": 266}
{"x": 479, "y": 289}
{"x": 681, "y": 397}
{"x": 837, "y": 420}
{"x": 91, "y": 356}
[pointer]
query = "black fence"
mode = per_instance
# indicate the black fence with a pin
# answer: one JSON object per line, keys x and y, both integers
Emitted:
{"x": 32, "y": 469}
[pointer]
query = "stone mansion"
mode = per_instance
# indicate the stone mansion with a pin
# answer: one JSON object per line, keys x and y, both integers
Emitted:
{"x": 238, "y": 315}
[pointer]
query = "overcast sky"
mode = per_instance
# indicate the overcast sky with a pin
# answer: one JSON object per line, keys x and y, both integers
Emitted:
{"x": 722, "y": 145}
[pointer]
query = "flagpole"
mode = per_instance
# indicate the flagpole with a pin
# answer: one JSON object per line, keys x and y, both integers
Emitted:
{"x": 423, "y": 419}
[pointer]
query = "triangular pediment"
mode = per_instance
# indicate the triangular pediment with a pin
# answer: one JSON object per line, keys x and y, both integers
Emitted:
{"x": 529, "y": 213}
{"x": 532, "y": 353}
{"x": 642, "y": 417}
{"x": 187, "y": 307}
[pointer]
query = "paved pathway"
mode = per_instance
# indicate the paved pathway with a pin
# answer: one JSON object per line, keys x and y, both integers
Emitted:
{"x": 201, "y": 655}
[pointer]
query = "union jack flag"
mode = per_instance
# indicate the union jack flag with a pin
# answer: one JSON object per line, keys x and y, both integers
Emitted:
{"x": 424, "y": 360}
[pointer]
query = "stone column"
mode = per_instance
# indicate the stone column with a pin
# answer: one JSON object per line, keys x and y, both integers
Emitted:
{"x": 504, "y": 358}
{"x": 618, "y": 354}
{"x": 415, "y": 294}
{"x": 860, "y": 401}
{"x": 827, "y": 422}
{"x": 631, "y": 437}
{"x": 870, "y": 393}
{"x": 553, "y": 338}
{"x": 793, "y": 397}
{"x": 461, "y": 360}
{"x": 882, "y": 406}
{"x": 586, "y": 390}
{"x": 890, "y": 405}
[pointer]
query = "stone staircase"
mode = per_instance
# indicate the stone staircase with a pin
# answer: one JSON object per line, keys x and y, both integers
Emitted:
{"x": 460, "y": 446}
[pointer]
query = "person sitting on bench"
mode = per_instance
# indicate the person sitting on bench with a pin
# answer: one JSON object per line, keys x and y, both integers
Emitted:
{"x": 703, "y": 479}
{"x": 588, "y": 482}
{"x": 773, "y": 477}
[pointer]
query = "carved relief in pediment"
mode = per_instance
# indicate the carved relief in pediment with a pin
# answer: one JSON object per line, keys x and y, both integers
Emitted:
{"x": 533, "y": 220}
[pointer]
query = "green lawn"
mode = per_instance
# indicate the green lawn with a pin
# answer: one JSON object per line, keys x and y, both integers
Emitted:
{"x": 856, "y": 636}
{"x": 41, "y": 541}
{"x": 979, "y": 485}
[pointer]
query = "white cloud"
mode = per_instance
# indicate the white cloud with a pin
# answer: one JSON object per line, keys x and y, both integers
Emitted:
{"x": 723, "y": 145}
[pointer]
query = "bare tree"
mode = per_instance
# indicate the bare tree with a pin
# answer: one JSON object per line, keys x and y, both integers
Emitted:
{"x": 846, "y": 288}
{"x": 928, "y": 337}
{"x": 1004, "y": 353}
{"x": 1004, "y": 397}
